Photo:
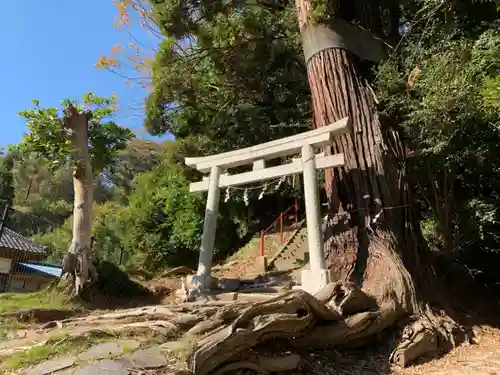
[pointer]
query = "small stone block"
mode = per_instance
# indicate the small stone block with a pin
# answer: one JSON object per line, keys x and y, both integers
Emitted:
{"x": 148, "y": 358}
{"x": 68, "y": 371}
{"x": 229, "y": 285}
{"x": 313, "y": 281}
{"x": 48, "y": 367}
{"x": 108, "y": 349}
{"x": 104, "y": 367}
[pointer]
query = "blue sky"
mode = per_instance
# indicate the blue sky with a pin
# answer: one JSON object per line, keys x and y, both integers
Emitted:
{"x": 49, "y": 49}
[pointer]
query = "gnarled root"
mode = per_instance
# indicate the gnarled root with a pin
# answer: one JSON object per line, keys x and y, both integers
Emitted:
{"x": 339, "y": 315}
{"x": 355, "y": 328}
{"x": 262, "y": 364}
{"x": 294, "y": 314}
{"x": 429, "y": 335}
{"x": 345, "y": 298}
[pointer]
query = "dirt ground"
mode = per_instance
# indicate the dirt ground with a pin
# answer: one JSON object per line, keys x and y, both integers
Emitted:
{"x": 482, "y": 358}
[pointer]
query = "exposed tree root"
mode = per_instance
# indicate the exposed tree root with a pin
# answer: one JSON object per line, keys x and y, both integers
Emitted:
{"x": 292, "y": 315}
{"x": 340, "y": 314}
{"x": 40, "y": 315}
{"x": 428, "y": 336}
{"x": 420, "y": 340}
{"x": 222, "y": 317}
{"x": 354, "y": 328}
{"x": 262, "y": 364}
{"x": 150, "y": 313}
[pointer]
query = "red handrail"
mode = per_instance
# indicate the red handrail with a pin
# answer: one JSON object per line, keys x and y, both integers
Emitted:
{"x": 280, "y": 218}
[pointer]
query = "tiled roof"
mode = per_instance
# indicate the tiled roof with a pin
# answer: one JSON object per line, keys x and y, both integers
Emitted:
{"x": 15, "y": 241}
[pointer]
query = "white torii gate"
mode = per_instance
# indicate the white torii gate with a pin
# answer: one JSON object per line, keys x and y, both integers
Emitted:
{"x": 305, "y": 143}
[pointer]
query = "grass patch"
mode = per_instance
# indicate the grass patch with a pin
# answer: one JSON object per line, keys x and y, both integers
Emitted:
{"x": 57, "y": 346}
{"x": 31, "y": 357}
{"x": 13, "y": 302}
{"x": 8, "y": 326}
{"x": 183, "y": 347}
{"x": 60, "y": 345}
{"x": 189, "y": 343}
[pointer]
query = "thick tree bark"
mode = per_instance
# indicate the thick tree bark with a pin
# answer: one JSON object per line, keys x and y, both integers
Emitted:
{"x": 78, "y": 260}
{"x": 373, "y": 237}
{"x": 367, "y": 199}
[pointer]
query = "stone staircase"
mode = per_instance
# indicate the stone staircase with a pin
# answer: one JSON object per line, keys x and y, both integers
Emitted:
{"x": 294, "y": 254}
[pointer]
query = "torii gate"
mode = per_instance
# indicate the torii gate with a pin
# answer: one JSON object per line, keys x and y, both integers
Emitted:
{"x": 305, "y": 143}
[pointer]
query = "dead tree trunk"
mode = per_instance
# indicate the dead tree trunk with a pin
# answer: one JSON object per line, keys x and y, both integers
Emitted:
{"x": 78, "y": 259}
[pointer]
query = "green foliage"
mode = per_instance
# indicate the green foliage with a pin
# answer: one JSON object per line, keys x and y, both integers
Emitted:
{"x": 139, "y": 157}
{"x": 160, "y": 227}
{"x": 57, "y": 241}
{"x": 442, "y": 90}
{"x": 6, "y": 176}
{"x": 166, "y": 221}
{"x": 480, "y": 221}
{"x": 49, "y": 136}
{"x": 108, "y": 225}
{"x": 231, "y": 78}
{"x": 108, "y": 230}
{"x": 204, "y": 89}
{"x": 42, "y": 191}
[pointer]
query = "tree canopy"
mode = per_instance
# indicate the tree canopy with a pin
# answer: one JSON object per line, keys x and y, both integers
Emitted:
{"x": 49, "y": 138}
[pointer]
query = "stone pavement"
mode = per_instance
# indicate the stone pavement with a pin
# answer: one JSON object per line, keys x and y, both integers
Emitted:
{"x": 121, "y": 357}
{"x": 127, "y": 357}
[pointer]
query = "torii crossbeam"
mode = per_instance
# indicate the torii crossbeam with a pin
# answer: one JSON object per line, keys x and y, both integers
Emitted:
{"x": 303, "y": 143}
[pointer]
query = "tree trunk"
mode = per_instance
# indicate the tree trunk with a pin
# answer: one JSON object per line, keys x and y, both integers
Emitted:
{"x": 441, "y": 190}
{"x": 78, "y": 260}
{"x": 28, "y": 191}
{"x": 372, "y": 237}
{"x": 366, "y": 196}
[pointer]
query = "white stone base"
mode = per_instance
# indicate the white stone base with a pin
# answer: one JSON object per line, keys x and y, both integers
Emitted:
{"x": 201, "y": 282}
{"x": 313, "y": 281}
{"x": 193, "y": 286}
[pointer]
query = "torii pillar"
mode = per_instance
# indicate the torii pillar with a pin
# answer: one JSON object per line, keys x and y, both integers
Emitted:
{"x": 210, "y": 224}
{"x": 317, "y": 275}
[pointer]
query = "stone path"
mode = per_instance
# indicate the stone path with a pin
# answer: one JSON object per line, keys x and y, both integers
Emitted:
{"x": 126, "y": 357}
{"x": 51, "y": 366}
{"x": 109, "y": 349}
{"x": 121, "y": 357}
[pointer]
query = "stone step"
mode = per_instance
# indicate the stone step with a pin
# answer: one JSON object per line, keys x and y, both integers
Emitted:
{"x": 121, "y": 357}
